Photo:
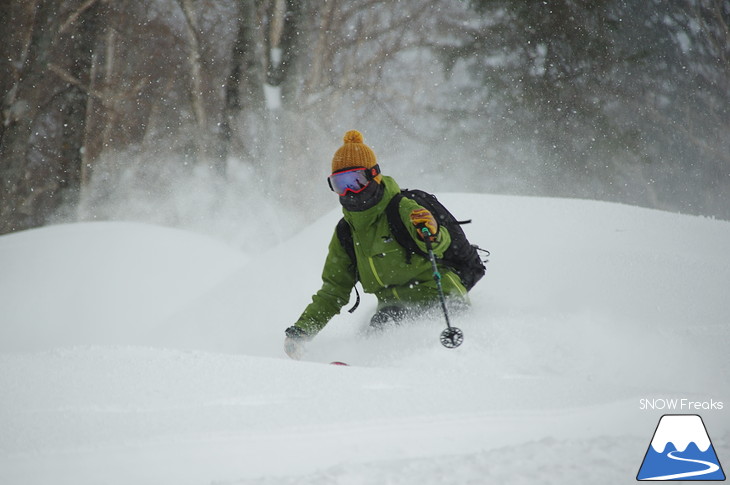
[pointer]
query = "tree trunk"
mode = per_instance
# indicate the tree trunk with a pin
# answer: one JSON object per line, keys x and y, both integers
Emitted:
{"x": 244, "y": 84}
{"x": 77, "y": 100}
{"x": 21, "y": 106}
{"x": 197, "y": 100}
{"x": 282, "y": 67}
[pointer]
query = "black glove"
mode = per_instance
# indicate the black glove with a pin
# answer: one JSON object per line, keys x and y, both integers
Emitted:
{"x": 297, "y": 333}
{"x": 294, "y": 342}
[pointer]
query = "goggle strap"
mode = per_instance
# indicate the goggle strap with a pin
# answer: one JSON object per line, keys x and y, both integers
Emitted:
{"x": 374, "y": 171}
{"x": 370, "y": 173}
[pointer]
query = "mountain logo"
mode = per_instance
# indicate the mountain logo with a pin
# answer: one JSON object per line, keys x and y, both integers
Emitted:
{"x": 681, "y": 450}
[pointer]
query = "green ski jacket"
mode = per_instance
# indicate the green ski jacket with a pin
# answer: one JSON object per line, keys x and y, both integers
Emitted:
{"x": 381, "y": 265}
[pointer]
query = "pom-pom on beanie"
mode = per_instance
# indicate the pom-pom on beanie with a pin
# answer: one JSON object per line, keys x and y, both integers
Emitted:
{"x": 354, "y": 153}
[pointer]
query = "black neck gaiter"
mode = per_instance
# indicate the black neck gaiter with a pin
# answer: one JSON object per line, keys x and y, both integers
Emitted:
{"x": 364, "y": 200}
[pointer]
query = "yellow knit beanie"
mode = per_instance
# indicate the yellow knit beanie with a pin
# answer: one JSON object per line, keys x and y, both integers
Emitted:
{"x": 354, "y": 153}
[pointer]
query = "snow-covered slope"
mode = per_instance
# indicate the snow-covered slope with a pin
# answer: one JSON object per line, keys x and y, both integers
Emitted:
{"x": 134, "y": 354}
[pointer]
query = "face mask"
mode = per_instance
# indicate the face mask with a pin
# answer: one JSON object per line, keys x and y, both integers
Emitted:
{"x": 363, "y": 200}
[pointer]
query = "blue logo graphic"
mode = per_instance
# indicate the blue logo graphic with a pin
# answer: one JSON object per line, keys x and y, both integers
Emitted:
{"x": 681, "y": 450}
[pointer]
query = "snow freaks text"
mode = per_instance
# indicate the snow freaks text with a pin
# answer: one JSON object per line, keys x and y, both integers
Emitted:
{"x": 677, "y": 404}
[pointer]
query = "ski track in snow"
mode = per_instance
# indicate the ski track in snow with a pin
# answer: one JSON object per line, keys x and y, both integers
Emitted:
{"x": 133, "y": 354}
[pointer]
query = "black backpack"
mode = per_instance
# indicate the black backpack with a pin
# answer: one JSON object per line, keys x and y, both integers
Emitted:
{"x": 461, "y": 256}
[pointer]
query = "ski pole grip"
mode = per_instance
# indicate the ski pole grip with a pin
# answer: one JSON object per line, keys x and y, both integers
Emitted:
{"x": 425, "y": 232}
{"x": 427, "y": 236}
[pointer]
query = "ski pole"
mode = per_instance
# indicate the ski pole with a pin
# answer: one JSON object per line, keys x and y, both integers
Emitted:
{"x": 451, "y": 337}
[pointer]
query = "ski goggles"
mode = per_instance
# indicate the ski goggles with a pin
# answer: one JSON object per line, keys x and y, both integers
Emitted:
{"x": 354, "y": 179}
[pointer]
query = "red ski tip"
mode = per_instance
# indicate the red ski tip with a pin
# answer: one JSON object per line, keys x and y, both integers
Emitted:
{"x": 338, "y": 363}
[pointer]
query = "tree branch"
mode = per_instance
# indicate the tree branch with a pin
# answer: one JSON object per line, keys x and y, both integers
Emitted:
{"x": 72, "y": 18}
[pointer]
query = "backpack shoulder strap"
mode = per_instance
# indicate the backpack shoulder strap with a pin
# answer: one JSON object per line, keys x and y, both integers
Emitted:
{"x": 397, "y": 227}
{"x": 344, "y": 234}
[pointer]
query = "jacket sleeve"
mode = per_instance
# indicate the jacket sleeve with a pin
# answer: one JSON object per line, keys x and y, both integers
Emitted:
{"x": 338, "y": 280}
{"x": 443, "y": 238}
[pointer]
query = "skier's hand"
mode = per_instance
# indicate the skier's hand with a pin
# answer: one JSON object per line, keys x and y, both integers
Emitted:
{"x": 294, "y": 342}
{"x": 422, "y": 217}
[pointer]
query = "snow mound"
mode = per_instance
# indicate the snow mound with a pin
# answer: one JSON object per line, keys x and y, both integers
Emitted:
{"x": 101, "y": 283}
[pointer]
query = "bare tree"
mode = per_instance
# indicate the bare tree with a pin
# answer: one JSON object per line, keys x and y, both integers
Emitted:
{"x": 244, "y": 83}
{"x": 197, "y": 99}
{"x": 285, "y": 41}
{"x": 45, "y": 109}
{"x": 27, "y": 95}
{"x": 90, "y": 20}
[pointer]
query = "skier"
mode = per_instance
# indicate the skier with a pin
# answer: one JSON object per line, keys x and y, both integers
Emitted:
{"x": 403, "y": 283}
